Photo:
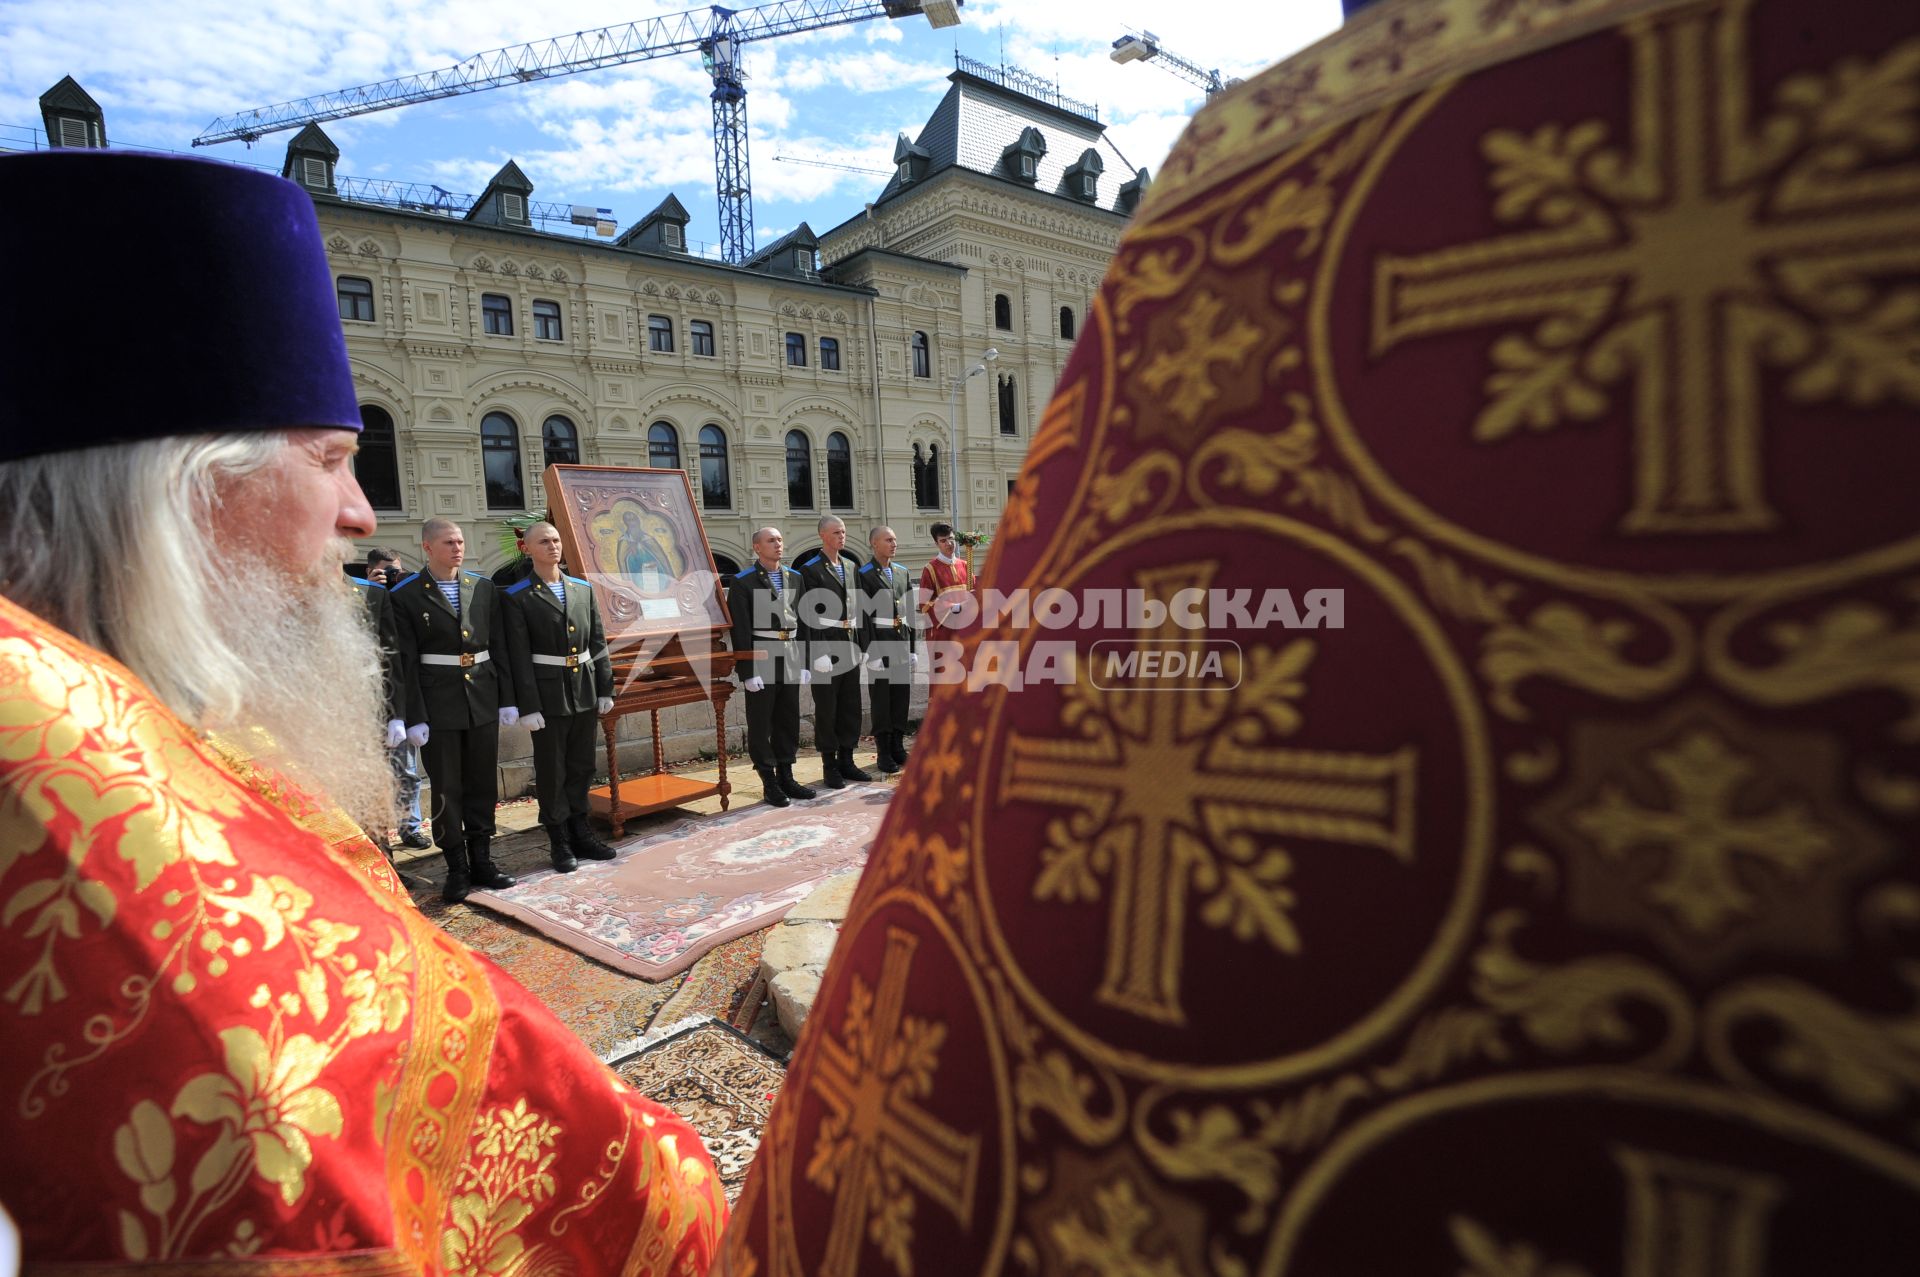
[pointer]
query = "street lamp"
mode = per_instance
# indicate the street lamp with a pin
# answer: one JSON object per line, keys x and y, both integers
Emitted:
{"x": 953, "y": 429}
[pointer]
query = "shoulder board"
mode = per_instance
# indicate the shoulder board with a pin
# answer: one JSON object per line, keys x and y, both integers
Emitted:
{"x": 409, "y": 581}
{"x": 362, "y": 582}
{"x": 574, "y": 580}
{"x": 867, "y": 566}
{"x": 475, "y": 576}
{"x": 520, "y": 585}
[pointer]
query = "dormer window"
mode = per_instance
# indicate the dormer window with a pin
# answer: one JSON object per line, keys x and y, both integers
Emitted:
{"x": 514, "y": 207}
{"x": 910, "y": 161}
{"x": 803, "y": 260}
{"x": 906, "y": 171}
{"x": 1082, "y": 181}
{"x": 1021, "y": 159}
{"x": 1027, "y": 167}
{"x": 1088, "y": 186}
{"x": 670, "y": 235}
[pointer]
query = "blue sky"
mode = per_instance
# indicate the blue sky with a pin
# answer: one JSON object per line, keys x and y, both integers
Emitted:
{"x": 620, "y": 137}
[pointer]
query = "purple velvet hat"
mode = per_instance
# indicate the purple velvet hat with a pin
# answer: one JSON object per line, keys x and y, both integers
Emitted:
{"x": 147, "y": 295}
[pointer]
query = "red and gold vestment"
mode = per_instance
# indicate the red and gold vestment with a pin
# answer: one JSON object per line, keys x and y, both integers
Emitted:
{"x": 228, "y": 1038}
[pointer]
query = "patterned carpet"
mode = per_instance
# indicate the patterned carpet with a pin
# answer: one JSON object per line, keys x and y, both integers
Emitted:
{"x": 672, "y": 896}
{"x": 716, "y": 1078}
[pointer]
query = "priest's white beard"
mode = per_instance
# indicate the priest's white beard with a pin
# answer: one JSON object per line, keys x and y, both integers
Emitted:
{"x": 311, "y": 705}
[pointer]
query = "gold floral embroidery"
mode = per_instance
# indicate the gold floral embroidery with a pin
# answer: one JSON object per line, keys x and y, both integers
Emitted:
{"x": 498, "y": 1190}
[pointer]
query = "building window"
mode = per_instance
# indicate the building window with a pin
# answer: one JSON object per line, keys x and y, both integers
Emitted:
{"x": 926, "y": 478}
{"x": 905, "y": 171}
{"x": 799, "y": 472}
{"x": 1066, "y": 322}
{"x": 797, "y": 349}
{"x": 546, "y": 321}
{"x": 702, "y": 333}
{"x": 356, "y": 298}
{"x": 839, "y": 472}
{"x": 1002, "y": 312}
{"x": 1026, "y": 166}
{"x": 500, "y": 458}
{"x": 377, "y": 464}
{"x": 830, "y": 354}
{"x": 922, "y": 359}
{"x": 671, "y": 237}
{"x": 496, "y": 314}
{"x": 1009, "y": 420}
{"x": 560, "y": 442}
{"x": 660, "y": 334}
{"x": 663, "y": 446}
{"x": 514, "y": 206}
{"x": 716, "y": 488}
{"x": 803, "y": 260}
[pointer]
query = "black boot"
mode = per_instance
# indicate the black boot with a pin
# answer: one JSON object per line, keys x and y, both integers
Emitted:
{"x": 791, "y": 787}
{"x": 560, "y": 851}
{"x": 771, "y": 790}
{"x": 830, "y": 772}
{"x": 900, "y": 748}
{"x": 458, "y": 884}
{"x": 883, "y": 753}
{"x": 586, "y": 843}
{"x": 850, "y": 769}
{"x": 484, "y": 874}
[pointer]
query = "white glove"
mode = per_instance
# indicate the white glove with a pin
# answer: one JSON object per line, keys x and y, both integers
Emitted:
{"x": 822, "y": 664}
{"x": 755, "y": 684}
{"x": 954, "y": 607}
{"x": 913, "y": 659}
{"x": 396, "y": 733}
{"x": 509, "y": 715}
{"x": 534, "y": 722}
{"x": 417, "y": 735}
{"x": 877, "y": 663}
{"x": 603, "y": 706}
{"x": 806, "y": 676}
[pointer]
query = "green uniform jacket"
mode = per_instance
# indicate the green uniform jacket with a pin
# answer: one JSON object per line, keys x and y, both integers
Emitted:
{"x": 380, "y": 613}
{"x": 451, "y": 697}
{"x": 886, "y": 603}
{"x": 538, "y": 625}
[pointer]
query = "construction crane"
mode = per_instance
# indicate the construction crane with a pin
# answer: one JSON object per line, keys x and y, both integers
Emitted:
{"x": 716, "y": 33}
{"x": 851, "y": 168}
{"x": 1146, "y": 46}
{"x": 423, "y": 197}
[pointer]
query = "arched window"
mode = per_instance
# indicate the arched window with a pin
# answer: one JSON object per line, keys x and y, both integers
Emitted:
{"x": 839, "y": 472}
{"x": 716, "y": 488}
{"x": 1066, "y": 323}
{"x": 799, "y": 472}
{"x": 1002, "y": 312}
{"x": 377, "y": 464}
{"x": 922, "y": 358}
{"x": 726, "y": 568}
{"x": 1009, "y": 418}
{"x": 919, "y": 478}
{"x": 663, "y": 446}
{"x": 500, "y": 459}
{"x": 560, "y": 442}
{"x": 932, "y": 501}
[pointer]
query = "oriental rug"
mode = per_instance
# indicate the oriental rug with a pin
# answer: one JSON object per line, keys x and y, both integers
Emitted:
{"x": 716, "y": 1079}
{"x": 670, "y": 897}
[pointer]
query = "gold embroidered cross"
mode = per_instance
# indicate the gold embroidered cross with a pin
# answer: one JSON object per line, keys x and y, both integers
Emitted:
{"x": 1163, "y": 798}
{"x": 876, "y": 1141}
{"x": 1706, "y": 250}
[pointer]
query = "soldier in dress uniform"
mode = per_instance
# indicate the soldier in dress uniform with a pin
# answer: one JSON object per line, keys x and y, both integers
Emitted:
{"x": 764, "y": 601}
{"x": 459, "y": 695}
{"x": 563, "y": 683}
{"x": 403, "y": 757}
{"x": 889, "y": 639}
{"x": 833, "y": 643}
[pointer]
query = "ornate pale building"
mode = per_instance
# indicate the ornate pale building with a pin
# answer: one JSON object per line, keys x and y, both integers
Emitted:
{"x": 816, "y": 378}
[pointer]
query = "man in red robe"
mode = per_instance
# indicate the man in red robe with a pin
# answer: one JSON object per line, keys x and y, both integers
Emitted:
{"x": 227, "y": 1038}
{"x": 945, "y": 586}
{"x": 1517, "y": 404}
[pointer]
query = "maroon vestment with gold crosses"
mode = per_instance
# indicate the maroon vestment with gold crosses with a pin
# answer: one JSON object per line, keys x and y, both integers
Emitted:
{"x": 1559, "y": 912}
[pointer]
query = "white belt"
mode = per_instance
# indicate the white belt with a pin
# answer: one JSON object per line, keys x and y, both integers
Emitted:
{"x": 565, "y": 662}
{"x": 785, "y": 636}
{"x": 894, "y": 621}
{"x": 464, "y": 660}
{"x": 836, "y": 625}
